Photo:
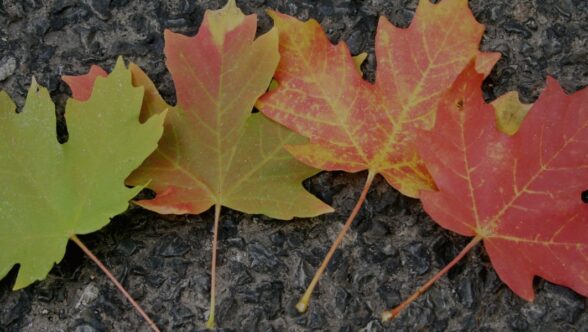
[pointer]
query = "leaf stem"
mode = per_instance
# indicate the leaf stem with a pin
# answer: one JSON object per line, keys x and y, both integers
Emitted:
{"x": 302, "y": 305}
{"x": 393, "y": 313}
{"x": 211, "y": 324}
{"x": 112, "y": 278}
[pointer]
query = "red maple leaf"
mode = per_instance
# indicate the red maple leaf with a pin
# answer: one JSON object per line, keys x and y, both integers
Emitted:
{"x": 520, "y": 195}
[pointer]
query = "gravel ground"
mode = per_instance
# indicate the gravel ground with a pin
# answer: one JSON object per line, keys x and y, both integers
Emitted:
{"x": 264, "y": 264}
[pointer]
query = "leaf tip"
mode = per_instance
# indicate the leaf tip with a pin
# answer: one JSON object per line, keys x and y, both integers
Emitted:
{"x": 159, "y": 119}
{"x": 278, "y": 18}
{"x": 272, "y": 13}
{"x": 120, "y": 68}
{"x": 510, "y": 112}
{"x": 230, "y": 5}
{"x": 167, "y": 33}
{"x": 223, "y": 20}
{"x": 553, "y": 83}
{"x": 120, "y": 62}
{"x": 485, "y": 62}
{"x": 34, "y": 83}
{"x": 359, "y": 59}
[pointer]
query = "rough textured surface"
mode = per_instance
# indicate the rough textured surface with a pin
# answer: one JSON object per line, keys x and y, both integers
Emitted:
{"x": 265, "y": 265}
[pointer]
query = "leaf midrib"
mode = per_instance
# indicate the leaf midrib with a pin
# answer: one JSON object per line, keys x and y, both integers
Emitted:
{"x": 398, "y": 123}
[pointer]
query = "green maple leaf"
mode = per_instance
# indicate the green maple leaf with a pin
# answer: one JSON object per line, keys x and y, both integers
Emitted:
{"x": 50, "y": 191}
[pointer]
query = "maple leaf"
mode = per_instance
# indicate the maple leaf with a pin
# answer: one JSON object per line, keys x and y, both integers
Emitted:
{"x": 253, "y": 172}
{"x": 520, "y": 195}
{"x": 510, "y": 112}
{"x": 84, "y": 83}
{"x": 53, "y": 191}
{"x": 354, "y": 125}
{"x": 214, "y": 150}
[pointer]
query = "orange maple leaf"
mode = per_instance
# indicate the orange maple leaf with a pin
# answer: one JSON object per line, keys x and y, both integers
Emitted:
{"x": 354, "y": 125}
{"x": 520, "y": 195}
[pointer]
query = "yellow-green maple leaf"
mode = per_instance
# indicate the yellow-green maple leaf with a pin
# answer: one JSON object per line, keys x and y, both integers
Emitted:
{"x": 50, "y": 191}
